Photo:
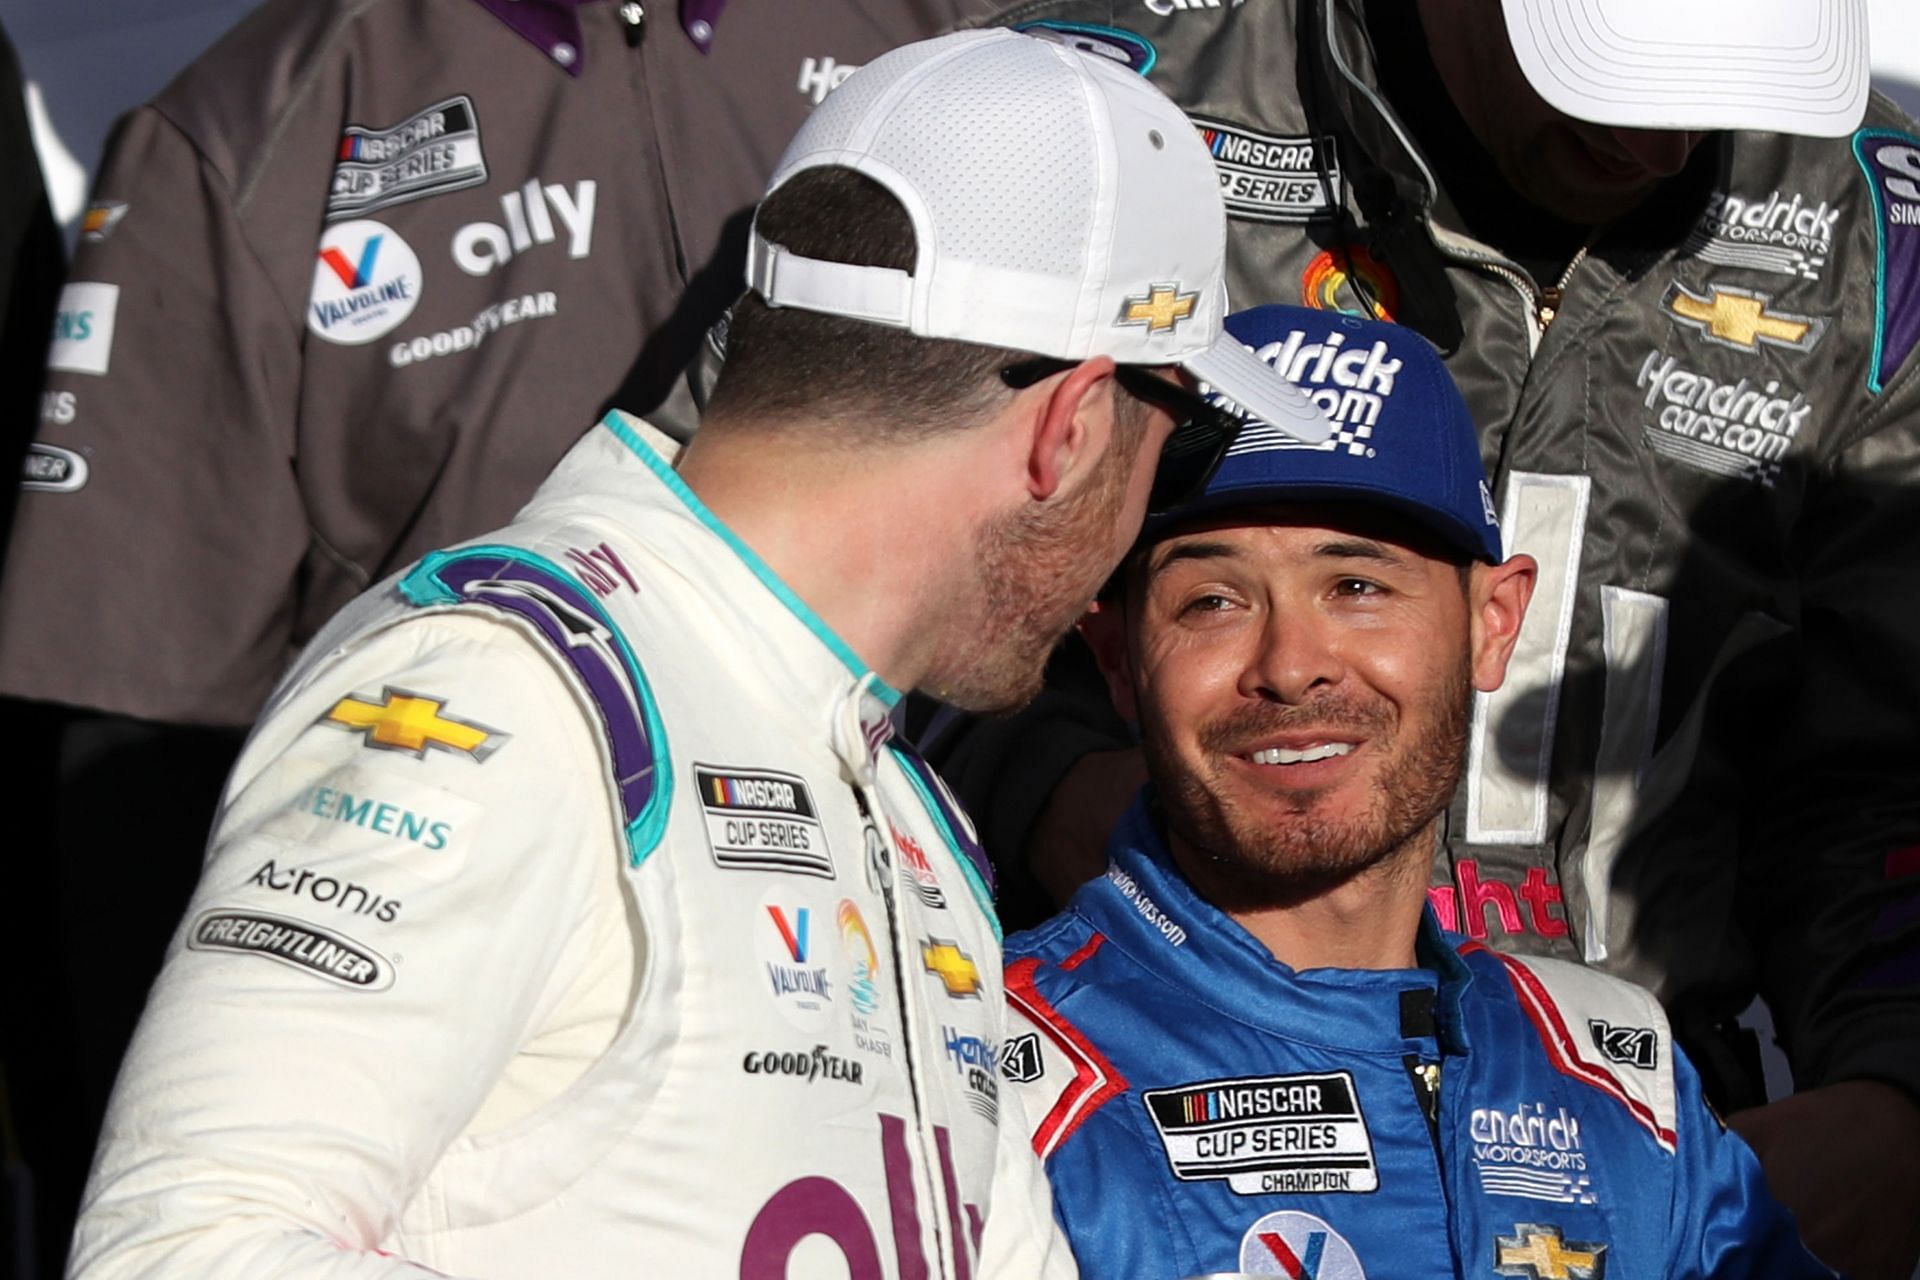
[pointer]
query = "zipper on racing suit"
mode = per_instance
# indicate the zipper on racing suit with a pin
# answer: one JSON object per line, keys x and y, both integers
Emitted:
{"x": 1543, "y": 304}
{"x": 880, "y": 866}
{"x": 1416, "y": 1023}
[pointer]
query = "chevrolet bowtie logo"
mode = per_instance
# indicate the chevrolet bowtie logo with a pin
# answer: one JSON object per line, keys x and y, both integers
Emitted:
{"x": 1736, "y": 318}
{"x": 953, "y": 966}
{"x": 1538, "y": 1252}
{"x": 411, "y": 723}
{"x": 1163, "y": 308}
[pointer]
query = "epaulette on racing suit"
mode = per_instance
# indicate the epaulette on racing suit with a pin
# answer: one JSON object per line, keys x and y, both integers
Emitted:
{"x": 571, "y": 913}
{"x": 1703, "y": 771}
{"x": 1204, "y": 1109}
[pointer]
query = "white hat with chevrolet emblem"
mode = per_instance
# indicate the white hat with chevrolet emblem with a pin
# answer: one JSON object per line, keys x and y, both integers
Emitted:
{"x": 1791, "y": 66}
{"x": 1062, "y": 206}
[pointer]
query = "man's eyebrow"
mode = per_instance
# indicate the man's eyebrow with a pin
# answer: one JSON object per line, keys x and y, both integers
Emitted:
{"x": 1164, "y": 557}
{"x": 1360, "y": 549}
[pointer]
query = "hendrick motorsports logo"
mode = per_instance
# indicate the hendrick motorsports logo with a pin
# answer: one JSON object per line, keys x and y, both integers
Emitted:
{"x": 1528, "y": 1153}
{"x": 296, "y": 943}
{"x": 1273, "y": 1134}
{"x": 1347, "y": 384}
{"x": 1778, "y": 232}
{"x": 978, "y": 1063}
{"x": 366, "y": 282}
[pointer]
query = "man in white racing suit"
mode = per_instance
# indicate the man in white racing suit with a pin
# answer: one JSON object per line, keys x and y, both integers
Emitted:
{"x": 571, "y": 911}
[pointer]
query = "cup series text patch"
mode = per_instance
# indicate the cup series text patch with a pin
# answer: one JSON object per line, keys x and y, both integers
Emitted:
{"x": 434, "y": 151}
{"x": 1268, "y": 1134}
{"x": 760, "y": 820}
{"x": 1267, "y": 178}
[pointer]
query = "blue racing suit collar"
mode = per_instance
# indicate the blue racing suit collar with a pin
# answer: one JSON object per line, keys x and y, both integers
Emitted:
{"x": 1145, "y": 906}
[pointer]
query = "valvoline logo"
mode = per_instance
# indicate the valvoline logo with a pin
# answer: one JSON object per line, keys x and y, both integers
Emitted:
{"x": 802, "y": 980}
{"x": 355, "y": 275}
{"x": 1299, "y": 1246}
{"x": 366, "y": 281}
{"x": 793, "y": 931}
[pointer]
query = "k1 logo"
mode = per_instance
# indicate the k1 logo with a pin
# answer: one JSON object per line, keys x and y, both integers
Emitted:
{"x": 1628, "y": 1046}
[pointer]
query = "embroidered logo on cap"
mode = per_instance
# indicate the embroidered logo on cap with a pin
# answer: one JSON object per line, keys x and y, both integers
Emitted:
{"x": 1161, "y": 309}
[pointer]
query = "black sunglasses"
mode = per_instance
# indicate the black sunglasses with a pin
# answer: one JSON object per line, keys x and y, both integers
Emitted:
{"x": 1201, "y": 435}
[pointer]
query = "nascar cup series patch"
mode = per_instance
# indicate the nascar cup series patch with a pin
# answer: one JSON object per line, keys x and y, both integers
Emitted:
{"x": 433, "y": 151}
{"x": 760, "y": 820}
{"x": 1265, "y": 177}
{"x": 1267, "y": 1135}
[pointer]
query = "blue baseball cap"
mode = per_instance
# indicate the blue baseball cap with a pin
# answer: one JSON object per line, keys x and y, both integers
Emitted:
{"x": 1402, "y": 435}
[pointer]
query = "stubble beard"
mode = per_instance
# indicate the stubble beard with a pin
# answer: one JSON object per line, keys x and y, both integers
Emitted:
{"x": 1037, "y": 572}
{"x": 1251, "y": 860}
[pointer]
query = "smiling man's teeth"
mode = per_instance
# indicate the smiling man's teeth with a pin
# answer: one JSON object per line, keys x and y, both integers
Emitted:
{"x": 1280, "y": 755}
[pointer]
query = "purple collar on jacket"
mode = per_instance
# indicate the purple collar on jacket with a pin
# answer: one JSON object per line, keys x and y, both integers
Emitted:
{"x": 553, "y": 26}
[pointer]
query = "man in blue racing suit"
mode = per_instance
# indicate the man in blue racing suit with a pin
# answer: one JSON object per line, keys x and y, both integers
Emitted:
{"x": 1250, "y": 1047}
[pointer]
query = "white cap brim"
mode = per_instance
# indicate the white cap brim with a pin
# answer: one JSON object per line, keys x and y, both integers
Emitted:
{"x": 1242, "y": 377}
{"x": 1790, "y": 66}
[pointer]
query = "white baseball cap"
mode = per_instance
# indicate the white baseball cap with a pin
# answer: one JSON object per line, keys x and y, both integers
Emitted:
{"x": 1791, "y": 66}
{"x": 1061, "y": 204}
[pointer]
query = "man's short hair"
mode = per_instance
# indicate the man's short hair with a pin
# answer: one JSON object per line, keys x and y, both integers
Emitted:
{"x": 784, "y": 363}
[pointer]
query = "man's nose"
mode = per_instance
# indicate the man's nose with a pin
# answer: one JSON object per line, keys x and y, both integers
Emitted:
{"x": 1292, "y": 657}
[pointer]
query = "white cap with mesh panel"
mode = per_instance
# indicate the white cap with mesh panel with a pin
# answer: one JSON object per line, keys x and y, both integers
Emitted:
{"x": 1792, "y": 66}
{"x": 1062, "y": 206}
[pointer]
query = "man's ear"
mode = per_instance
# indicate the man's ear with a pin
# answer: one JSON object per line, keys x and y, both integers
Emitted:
{"x": 1104, "y": 628}
{"x": 1497, "y": 596}
{"x": 1070, "y": 428}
